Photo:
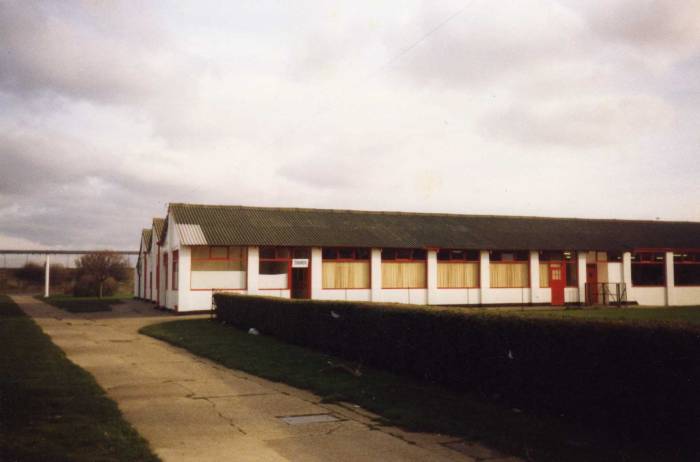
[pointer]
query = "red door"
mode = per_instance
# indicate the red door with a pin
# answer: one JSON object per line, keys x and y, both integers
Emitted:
{"x": 557, "y": 282}
{"x": 592, "y": 295}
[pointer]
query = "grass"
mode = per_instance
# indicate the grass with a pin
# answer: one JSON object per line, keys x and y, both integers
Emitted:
{"x": 686, "y": 314}
{"x": 51, "y": 409}
{"x": 408, "y": 403}
{"x": 84, "y": 304}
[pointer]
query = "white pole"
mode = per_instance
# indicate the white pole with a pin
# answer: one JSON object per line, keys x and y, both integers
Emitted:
{"x": 47, "y": 276}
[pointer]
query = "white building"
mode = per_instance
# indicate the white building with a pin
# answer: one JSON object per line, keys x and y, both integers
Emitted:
{"x": 434, "y": 259}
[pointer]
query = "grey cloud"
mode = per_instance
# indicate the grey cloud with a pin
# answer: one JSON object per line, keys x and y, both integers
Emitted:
{"x": 591, "y": 122}
{"x": 673, "y": 25}
{"x": 48, "y": 48}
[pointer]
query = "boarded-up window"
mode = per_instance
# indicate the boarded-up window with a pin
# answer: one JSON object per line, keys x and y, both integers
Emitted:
{"x": 346, "y": 275}
{"x": 456, "y": 274}
{"x": 403, "y": 275}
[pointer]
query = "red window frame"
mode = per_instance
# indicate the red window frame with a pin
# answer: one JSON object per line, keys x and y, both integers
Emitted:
{"x": 449, "y": 257}
{"x": 412, "y": 258}
{"x": 176, "y": 269}
{"x": 571, "y": 262}
{"x": 352, "y": 254}
{"x": 277, "y": 258}
{"x": 649, "y": 257}
{"x": 516, "y": 260}
{"x": 684, "y": 259}
{"x": 165, "y": 268}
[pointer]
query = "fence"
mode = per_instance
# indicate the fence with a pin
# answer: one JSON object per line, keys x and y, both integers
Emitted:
{"x": 606, "y": 293}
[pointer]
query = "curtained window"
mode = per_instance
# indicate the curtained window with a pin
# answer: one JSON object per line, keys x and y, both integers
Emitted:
{"x": 346, "y": 268}
{"x": 404, "y": 269}
{"x": 457, "y": 268}
{"x": 509, "y": 269}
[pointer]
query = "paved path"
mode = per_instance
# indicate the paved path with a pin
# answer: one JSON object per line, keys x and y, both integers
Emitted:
{"x": 191, "y": 409}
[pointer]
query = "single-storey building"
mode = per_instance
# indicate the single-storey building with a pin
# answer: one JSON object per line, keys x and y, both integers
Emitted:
{"x": 423, "y": 258}
{"x": 148, "y": 265}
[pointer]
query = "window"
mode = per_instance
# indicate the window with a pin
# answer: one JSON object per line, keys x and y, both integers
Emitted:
{"x": 457, "y": 268}
{"x": 403, "y": 254}
{"x": 570, "y": 260}
{"x": 275, "y": 266}
{"x": 346, "y": 268}
{"x": 648, "y": 269}
{"x": 614, "y": 256}
{"x": 219, "y": 258}
{"x": 509, "y": 268}
{"x": 345, "y": 253}
{"x": 218, "y": 267}
{"x": 686, "y": 268}
{"x": 176, "y": 257}
{"x": 404, "y": 269}
{"x": 509, "y": 255}
{"x": 165, "y": 269}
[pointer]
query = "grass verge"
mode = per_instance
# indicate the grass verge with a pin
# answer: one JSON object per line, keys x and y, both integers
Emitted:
{"x": 408, "y": 403}
{"x": 51, "y": 409}
{"x": 83, "y": 304}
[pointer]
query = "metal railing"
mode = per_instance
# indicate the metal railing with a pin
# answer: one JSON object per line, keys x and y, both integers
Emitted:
{"x": 606, "y": 293}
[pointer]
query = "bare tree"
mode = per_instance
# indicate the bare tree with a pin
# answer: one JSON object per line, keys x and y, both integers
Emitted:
{"x": 98, "y": 267}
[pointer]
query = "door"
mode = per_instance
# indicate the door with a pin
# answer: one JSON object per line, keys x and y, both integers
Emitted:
{"x": 592, "y": 294}
{"x": 557, "y": 282}
{"x": 301, "y": 273}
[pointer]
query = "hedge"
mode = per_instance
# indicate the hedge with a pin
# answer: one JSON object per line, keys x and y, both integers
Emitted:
{"x": 641, "y": 378}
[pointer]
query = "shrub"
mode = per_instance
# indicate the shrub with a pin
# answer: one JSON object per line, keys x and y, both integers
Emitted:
{"x": 32, "y": 273}
{"x": 98, "y": 270}
{"x": 642, "y": 379}
{"x": 87, "y": 286}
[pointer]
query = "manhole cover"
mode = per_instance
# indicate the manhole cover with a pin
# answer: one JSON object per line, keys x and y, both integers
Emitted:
{"x": 305, "y": 419}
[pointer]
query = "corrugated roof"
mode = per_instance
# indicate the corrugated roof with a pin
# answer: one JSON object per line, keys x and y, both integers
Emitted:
{"x": 240, "y": 225}
{"x": 146, "y": 235}
{"x": 158, "y": 224}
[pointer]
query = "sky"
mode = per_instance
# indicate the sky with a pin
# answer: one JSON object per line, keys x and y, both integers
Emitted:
{"x": 111, "y": 110}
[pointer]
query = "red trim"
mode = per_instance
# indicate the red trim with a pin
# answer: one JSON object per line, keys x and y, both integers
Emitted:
{"x": 452, "y": 262}
{"x": 158, "y": 277}
{"x": 175, "y": 270}
{"x": 513, "y": 262}
{"x": 221, "y": 259}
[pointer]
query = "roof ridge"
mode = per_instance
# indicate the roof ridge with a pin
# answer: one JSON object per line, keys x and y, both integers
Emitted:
{"x": 434, "y": 214}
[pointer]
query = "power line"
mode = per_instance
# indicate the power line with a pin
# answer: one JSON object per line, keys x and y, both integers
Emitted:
{"x": 389, "y": 62}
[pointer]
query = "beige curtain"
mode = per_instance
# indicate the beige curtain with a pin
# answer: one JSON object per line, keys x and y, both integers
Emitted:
{"x": 544, "y": 274}
{"x": 509, "y": 275}
{"x": 346, "y": 275}
{"x": 455, "y": 275}
{"x": 403, "y": 275}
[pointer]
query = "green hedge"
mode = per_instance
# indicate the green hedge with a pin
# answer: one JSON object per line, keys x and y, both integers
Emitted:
{"x": 642, "y": 378}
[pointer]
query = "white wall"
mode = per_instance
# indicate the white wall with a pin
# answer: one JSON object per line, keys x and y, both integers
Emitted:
{"x": 190, "y": 300}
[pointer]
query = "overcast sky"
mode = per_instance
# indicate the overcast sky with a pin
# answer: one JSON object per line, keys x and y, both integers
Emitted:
{"x": 558, "y": 108}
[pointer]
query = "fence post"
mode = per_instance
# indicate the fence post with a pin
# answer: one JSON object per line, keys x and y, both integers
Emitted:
{"x": 47, "y": 276}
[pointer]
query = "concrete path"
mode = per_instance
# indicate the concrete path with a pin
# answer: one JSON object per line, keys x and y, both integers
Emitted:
{"x": 191, "y": 409}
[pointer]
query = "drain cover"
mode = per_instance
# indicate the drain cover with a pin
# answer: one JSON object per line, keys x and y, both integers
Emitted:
{"x": 310, "y": 418}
